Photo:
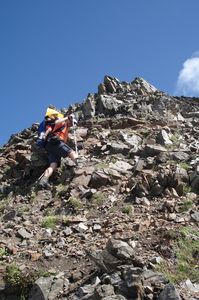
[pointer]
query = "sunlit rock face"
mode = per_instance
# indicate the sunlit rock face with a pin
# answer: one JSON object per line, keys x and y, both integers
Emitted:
{"x": 113, "y": 226}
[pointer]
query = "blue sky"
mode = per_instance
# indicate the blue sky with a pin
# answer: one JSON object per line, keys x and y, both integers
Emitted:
{"x": 58, "y": 51}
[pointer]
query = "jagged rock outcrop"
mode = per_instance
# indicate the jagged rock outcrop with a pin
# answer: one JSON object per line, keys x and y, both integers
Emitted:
{"x": 112, "y": 227}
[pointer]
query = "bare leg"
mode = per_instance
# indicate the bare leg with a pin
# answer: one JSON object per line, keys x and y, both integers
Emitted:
{"x": 43, "y": 181}
{"x": 49, "y": 171}
{"x": 73, "y": 155}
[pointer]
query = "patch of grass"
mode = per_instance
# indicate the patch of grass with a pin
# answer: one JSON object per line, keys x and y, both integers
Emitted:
{"x": 61, "y": 190}
{"x": 6, "y": 168}
{"x": 3, "y": 204}
{"x": 127, "y": 209}
{"x": 187, "y": 252}
{"x": 186, "y": 249}
{"x": 98, "y": 198}
{"x": 65, "y": 220}
{"x": 186, "y": 205}
{"x": 13, "y": 275}
{"x": 113, "y": 159}
{"x": 75, "y": 202}
{"x": 50, "y": 222}
{"x": 184, "y": 165}
{"x": 33, "y": 195}
{"x": 3, "y": 252}
{"x": 175, "y": 138}
{"x": 145, "y": 132}
{"x": 23, "y": 210}
{"x": 49, "y": 211}
{"x": 186, "y": 189}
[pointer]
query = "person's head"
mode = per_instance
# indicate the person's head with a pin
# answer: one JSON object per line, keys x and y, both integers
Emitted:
{"x": 53, "y": 113}
{"x": 51, "y": 118}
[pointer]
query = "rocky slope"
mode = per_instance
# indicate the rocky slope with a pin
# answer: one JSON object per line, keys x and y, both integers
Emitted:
{"x": 123, "y": 224}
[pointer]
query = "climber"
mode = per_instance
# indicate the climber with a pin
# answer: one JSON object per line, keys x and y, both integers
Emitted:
{"x": 56, "y": 135}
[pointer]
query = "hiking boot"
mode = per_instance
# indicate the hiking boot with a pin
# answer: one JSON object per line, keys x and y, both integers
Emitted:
{"x": 43, "y": 182}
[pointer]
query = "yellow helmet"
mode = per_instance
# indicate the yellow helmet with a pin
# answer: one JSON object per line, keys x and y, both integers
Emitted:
{"x": 50, "y": 112}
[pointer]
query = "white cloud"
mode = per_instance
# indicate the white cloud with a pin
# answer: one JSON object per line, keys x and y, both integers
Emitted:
{"x": 188, "y": 78}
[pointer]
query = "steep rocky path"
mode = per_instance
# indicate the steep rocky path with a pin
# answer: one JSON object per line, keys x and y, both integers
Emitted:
{"x": 123, "y": 224}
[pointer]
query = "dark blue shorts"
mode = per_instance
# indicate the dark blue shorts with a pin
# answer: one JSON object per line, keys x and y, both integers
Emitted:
{"x": 57, "y": 151}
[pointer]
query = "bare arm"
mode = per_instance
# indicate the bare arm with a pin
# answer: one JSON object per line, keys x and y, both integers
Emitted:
{"x": 47, "y": 132}
{"x": 58, "y": 121}
{"x": 68, "y": 120}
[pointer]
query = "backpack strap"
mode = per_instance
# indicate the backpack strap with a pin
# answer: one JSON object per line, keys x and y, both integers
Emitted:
{"x": 58, "y": 129}
{"x": 52, "y": 133}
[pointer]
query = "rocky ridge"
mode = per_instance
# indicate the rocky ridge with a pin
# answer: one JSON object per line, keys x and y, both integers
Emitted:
{"x": 110, "y": 228}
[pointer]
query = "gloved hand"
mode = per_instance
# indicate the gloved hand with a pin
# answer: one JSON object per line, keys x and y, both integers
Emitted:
{"x": 72, "y": 119}
{"x": 42, "y": 136}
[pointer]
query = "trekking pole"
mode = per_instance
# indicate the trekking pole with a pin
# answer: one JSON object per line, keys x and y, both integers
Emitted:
{"x": 40, "y": 176}
{"x": 75, "y": 137}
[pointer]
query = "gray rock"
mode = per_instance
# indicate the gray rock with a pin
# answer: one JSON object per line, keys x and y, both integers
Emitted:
{"x": 67, "y": 231}
{"x": 142, "y": 84}
{"x": 163, "y": 138}
{"x": 194, "y": 179}
{"x": 56, "y": 288}
{"x": 154, "y": 277}
{"x": 131, "y": 140}
{"x": 169, "y": 293}
{"x": 114, "y": 297}
{"x": 116, "y": 148}
{"x": 120, "y": 249}
{"x": 41, "y": 288}
{"x": 152, "y": 150}
{"x": 99, "y": 179}
{"x": 193, "y": 287}
{"x": 81, "y": 227}
{"x": 103, "y": 291}
{"x": 195, "y": 216}
{"x": 179, "y": 156}
{"x": 121, "y": 166}
{"x": 132, "y": 285}
{"x": 10, "y": 215}
{"x": 108, "y": 105}
{"x": 156, "y": 260}
{"x": 86, "y": 290}
{"x": 139, "y": 166}
{"x": 181, "y": 175}
{"x": 104, "y": 260}
{"x": 88, "y": 106}
{"x": 24, "y": 234}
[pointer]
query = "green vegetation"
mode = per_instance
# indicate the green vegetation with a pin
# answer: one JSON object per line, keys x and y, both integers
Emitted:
{"x": 128, "y": 209}
{"x": 15, "y": 278}
{"x": 23, "y": 210}
{"x": 32, "y": 196}
{"x": 145, "y": 132}
{"x": 13, "y": 275}
{"x": 65, "y": 220}
{"x": 186, "y": 248}
{"x": 184, "y": 165}
{"x": 3, "y": 252}
{"x": 50, "y": 222}
{"x": 75, "y": 202}
{"x": 186, "y": 189}
{"x": 3, "y": 204}
{"x": 49, "y": 211}
{"x": 175, "y": 138}
{"x": 61, "y": 189}
{"x": 186, "y": 205}
{"x": 98, "y": 198}
{"x": 101, "y": 166}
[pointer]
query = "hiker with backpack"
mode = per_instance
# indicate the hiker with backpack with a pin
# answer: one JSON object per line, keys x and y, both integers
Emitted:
{"x": 54, "y": 138}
